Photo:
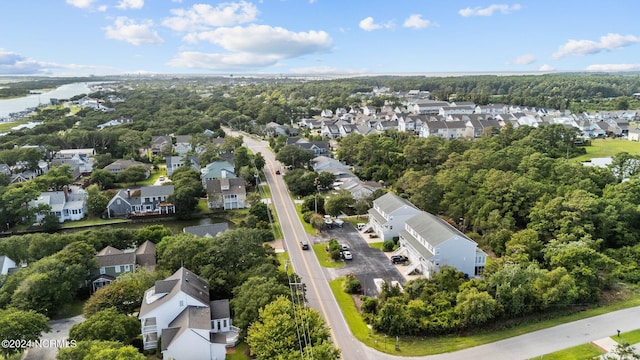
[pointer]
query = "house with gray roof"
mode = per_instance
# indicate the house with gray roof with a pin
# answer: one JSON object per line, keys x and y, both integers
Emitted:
{"x": 143, "y": 200}
{"x": 388, "y": 215}
{"x": 113, "y": 262}
{"x": 226, "y": 193}
{"x": 430, "y": 243}
{"x": 68, "y": 204}
{"x": 327, "y": 164}
{"x": 160, "y": 144}
{"x": 176, "y": 162}
{"x": 178, "y": 310}
{"x": 209, "y": 230}
{"x": 121, "y": 165}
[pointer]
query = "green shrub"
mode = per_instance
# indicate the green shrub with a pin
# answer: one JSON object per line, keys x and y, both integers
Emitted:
{"x": 352, "y": 285}
{"x": 388, "y": 245}
{"x": 306, "y": 216}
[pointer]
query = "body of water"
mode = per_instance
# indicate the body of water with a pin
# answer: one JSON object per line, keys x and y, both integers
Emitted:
{"x": 15, "y": 105}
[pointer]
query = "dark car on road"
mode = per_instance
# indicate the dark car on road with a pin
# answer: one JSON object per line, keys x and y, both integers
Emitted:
{"x": 304, "y": 245}
{"x": 399, "y": 259}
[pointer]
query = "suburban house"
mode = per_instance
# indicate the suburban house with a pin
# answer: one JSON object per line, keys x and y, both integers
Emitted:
{"x": 429, "y": 242}
{"x": 178, "y": 310}
{"x": 68, "y": 204}
{"x": 159, "y": 144}
{"x": 112, "y": 262}
{"x": 226, "y": 193}
{"x": 6, "y": 264}
{"x": 217, "y": 170}
{"x": 318, "y": 147}
{"x": 120, "y": 165}
{"x": 359, "y": 189}
{"x": 176, "y": 162}
{"x": 327, "y": 164}
{"x": 388, "y": 215}
{"x": 81, "y": 158}
{"x": 273, "y": 129}
{"x": 115, "y": 122}
{"x": 183, "y": 144}
{"x": 141, "y": 201}
{"x": 209, "y": 230}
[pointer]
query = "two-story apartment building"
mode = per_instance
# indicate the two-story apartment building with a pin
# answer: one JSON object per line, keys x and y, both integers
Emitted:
{"x": 429, "y": 242}
{"x": 388, "y": 215}
{"x": 178, "y": 310}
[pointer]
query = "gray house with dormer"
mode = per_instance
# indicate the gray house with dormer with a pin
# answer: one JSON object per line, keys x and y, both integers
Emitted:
{"x": 144, "y": 200}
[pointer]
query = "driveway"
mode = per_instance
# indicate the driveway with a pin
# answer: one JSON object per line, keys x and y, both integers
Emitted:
{"x": 368, "y": 263}
{"x": 59, "y": 332}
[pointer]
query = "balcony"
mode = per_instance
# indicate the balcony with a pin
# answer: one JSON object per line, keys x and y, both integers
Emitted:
{"x": 150, "y": 341}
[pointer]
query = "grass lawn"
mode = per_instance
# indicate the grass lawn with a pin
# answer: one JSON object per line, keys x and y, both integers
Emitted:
{"x": 377, "y": 245}
{"x": 307, "y": 227}
{"x": 631, "y": 337}
{"x": 418, "y": 346}
{"x": 324, "y": 258}
{"x": 6, "y": 126}
{"x": 584, "y": 351}
{"x": 240, "y": 352}
{"x": 608, "y": 147}
{"x": 283, "y": 258}
{"x": 355, "y": 220}
{"x": 92, "y": 222}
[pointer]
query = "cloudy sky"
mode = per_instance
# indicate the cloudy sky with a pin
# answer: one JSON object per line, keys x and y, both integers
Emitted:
{"x": 317, "y": 36}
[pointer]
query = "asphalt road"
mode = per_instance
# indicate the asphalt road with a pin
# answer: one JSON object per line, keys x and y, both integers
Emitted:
{"x": 321, "y": 298}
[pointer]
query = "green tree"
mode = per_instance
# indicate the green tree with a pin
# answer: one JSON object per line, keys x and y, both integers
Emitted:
{"x": 275, "y": 334}
{"x": 55, "y": 179}
{"x": 23, "y": 325}
{"x": 153, "y": 233}
{"x": 96, "y": 201}
{"x": 475, "y": 307}
{"x": 133, "y": 174}
{"x": 253, "y": 295}
{"x": 124, "y": 294}
{"x": 106, "y": 325}
{"x": 338, "y": 203}
{"x": 292, "y": 155}
{"x": 104, "y": 178}
{"x": 326, "y": 180}
{"x": 15, "y": 202}
{"x": 98, "y": 349}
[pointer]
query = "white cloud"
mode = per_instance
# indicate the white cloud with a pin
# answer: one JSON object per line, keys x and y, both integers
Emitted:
{"x": 82, "y": 4}
{"x": 128, "y": 30}
{"x": 525, "y": 59}
{"x": 417, "y": 22}
{"x": 235, "y": 61}
{"x": 265, "y": 40}
{"x": 546, "y": 67}
{"x": 613, "y": 67}
{"x": 488, "y": 11}
{"x": 204, "y": 16}
{"x": 12, "y": 63}
{"x": 587, "y": 47}
{"x": 367, "y": 24}
{"x": 102, "y": 8}
{"x": 130, "y": 4}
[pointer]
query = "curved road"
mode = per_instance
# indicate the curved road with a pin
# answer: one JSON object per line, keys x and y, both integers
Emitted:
{"x": 321, "y": 298}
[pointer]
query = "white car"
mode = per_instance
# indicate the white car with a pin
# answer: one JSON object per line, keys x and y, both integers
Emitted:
{"x": 344, "y": 247}
{"x": 347, "y": 255}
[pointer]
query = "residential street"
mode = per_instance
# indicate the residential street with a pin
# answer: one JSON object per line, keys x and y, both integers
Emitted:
{"x": 321, "y": 298}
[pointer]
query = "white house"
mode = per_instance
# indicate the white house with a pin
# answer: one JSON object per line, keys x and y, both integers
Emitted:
{"x": 5, "y": 264}
{"x": 178, "y": 311}
{"x": 68, "y": 204}
{"x": 388, "y": 215}
{"x": 429, "y": 242}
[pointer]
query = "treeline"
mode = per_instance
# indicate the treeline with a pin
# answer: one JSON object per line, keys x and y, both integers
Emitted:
{"x": 24, "y": 88}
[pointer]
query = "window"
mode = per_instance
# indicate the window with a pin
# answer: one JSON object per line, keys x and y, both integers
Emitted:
{"x": 103, "y": 270}
{"x": 181, "y": 303}
{"x": 117, "y": 268}
{"x": 224, "y": 323}
{"x": 118, "y": 201}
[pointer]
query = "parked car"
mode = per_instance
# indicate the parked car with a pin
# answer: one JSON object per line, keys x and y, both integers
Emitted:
{"x": 338, "y": 222}
{"x": 344, "y": 247}
{"x": 347, "y": 255}
{"x": 161, "y": 178}
{"x": 361, "y": 226}
{"x": 399, "y": 259}
{"x": 304, "y": 245}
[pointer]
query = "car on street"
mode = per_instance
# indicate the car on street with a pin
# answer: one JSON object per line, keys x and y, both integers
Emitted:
{"x": 399, "y": 259}
{"x": 304, "y": 245}
{"x": 344, "y": 247}
{"x": 347, "y": 255}
{"x": 277, "y": 172}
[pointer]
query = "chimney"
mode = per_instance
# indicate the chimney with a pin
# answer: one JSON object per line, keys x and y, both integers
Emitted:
{"x": 66, "y": 192}
{"x": 223, "y": 173}
{"x": 128, "y": 193}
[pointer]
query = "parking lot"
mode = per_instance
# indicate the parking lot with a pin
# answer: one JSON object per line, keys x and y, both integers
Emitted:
{"x": 367, "y": 264}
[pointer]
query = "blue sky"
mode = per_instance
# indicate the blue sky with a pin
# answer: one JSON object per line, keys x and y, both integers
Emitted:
{"x": 69, "y": 37}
